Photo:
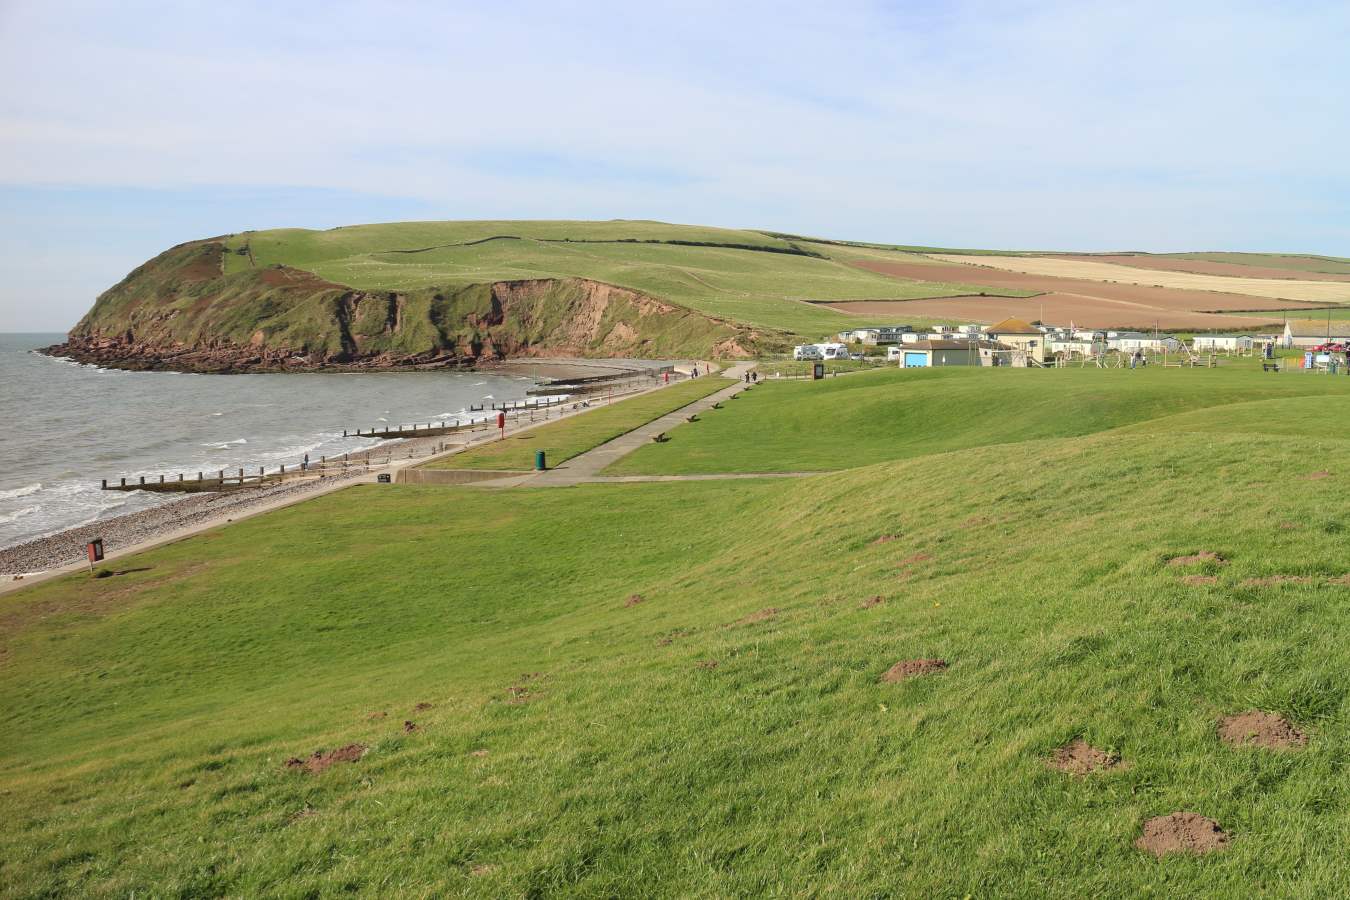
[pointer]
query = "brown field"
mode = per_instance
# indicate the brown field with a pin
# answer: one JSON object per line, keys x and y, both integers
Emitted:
{"x": 1201, "y": 266}
{"x": 1087, "y": 312}
{"x": 1093, "y": 304}
{"x": 1096, "y": 270}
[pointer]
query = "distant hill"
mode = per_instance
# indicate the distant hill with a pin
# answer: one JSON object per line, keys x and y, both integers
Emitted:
{"x": 458, "y": 293}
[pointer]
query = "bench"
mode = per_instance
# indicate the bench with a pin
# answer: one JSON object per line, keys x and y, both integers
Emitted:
{"x": 659, "y": 438}
{"x": 1270, "y": 367}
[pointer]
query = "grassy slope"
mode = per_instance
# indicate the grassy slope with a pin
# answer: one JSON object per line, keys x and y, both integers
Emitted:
{"x": 565, "y": 439}
{"x": 894, "y": 413}
{"x": 758, "y": 288}
{"x": 147, "y": 716}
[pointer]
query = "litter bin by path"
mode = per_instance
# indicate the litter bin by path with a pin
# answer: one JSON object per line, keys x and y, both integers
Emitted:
{"x": 539, "y": 463}
{"x": 383, "y": 478}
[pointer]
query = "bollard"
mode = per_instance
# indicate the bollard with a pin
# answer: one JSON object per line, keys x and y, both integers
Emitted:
{"x": 344, "y": 432}
{"x": 142, "y": 479}
{"x": 199, "y": 476}
{"x": 180, "y": 476}
{"x": 105, "y": 484}
{"x": 124, "y": 482}
{"x": 283, "y": 468}
{"x": 161, "y": 479}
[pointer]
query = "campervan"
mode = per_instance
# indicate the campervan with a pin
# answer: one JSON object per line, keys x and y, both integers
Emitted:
{"x": 807, "y": 351}
{"x": 833, "y": 351}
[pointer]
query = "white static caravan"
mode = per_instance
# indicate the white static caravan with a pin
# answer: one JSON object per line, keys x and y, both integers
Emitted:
{"x": 1130, "y": 341}
{"x": 1223, "y": 342}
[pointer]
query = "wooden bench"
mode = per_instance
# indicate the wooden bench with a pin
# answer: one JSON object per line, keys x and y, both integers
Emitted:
{"x": 1270, "y": 367}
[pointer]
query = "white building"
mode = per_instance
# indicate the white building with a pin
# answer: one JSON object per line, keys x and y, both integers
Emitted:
{"x": 1290, "y": 339}
{"x": 1130, "y": 341}
{"x": 1223, "y": 342}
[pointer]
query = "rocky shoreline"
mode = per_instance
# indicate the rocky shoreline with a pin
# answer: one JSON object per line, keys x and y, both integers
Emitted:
{"x": 231, "y": 359}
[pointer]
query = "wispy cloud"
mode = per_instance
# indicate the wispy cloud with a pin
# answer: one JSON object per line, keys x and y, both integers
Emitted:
{"x": 1056, "y": 124}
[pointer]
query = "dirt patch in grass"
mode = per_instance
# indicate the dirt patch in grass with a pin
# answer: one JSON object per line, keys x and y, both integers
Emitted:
{"x": 1078, "y": 757}
{"x": 634, "y": 600}
{"x": 376, "y": 716}
{"x": 763, "y": 615}
{"x": 915, "y": 558}
{"x": 1181, "y": 832}
{"x": 409, "y": 726}
{"x": 482, "y": 869}
{"x": 1318, "y": 476}
{"x": 321, "y": 762}
{"x": 1339, "y": 579}
{"x": 421, "y": 707}
{"x": 1275, "y": 580}
{"x": 479, "y": 752}
{"x": 522, "y": 692}
{"x": 1199, "y": 580}
{"x": 1204, "y": 556}
{"x": 886, "y": 539}
{"x": 871, "y": 602}
{"x": 708, "y": 664}
{"x": 1255, "y": 728}
{"x": 671, "y": 637}
{"x": 912, "y": 668}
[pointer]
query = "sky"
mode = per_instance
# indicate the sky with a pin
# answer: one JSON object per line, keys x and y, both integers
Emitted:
{"x": 126, "y": 128}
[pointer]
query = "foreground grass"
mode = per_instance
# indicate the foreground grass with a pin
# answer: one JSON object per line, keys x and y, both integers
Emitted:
{"x": 147, "y": 716}
{"x": 568, "y": 437}
{"x": 897, "y": 413}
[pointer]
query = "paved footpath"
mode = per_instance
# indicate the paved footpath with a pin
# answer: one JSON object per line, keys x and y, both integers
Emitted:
{"x": 585, "y": 468}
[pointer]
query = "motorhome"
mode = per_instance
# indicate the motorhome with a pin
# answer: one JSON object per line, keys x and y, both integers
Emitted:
{"x": 832, "y": 351}
{"x": 807, "y": 351}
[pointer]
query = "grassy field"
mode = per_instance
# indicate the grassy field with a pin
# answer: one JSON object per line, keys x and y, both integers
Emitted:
{"x": 897, "y": 413}
{"x": 729, "y": 735}
{"x": 1334, "y": 265}
{"x": 566, "y": 438}
{"x": 753, "y": 287}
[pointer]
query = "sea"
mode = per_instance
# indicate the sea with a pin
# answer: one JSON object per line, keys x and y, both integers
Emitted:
{"x": 64, "y": 426}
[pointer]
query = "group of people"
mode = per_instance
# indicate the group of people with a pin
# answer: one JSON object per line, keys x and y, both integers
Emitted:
{"x": 752, "y": 377}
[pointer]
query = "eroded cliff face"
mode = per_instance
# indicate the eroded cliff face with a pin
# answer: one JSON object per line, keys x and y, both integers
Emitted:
{"x": 181, "y": 311}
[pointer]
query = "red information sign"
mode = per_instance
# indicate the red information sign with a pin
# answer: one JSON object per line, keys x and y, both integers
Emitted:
{"x": 501, "y": 422}
{"x": 95, "y": 549}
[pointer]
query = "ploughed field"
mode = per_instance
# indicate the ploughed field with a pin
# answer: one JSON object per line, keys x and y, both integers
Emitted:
{"x": 1010, "y": 648}
{"x": 1085, "y": 301}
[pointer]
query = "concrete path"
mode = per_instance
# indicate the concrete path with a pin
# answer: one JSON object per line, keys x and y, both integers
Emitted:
{"x": 585, "y": 468}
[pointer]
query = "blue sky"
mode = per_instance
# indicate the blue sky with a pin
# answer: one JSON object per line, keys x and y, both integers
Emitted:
{"x": 125, "y": 128}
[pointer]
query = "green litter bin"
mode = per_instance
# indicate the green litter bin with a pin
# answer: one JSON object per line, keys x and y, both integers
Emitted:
{"x": 539, "y": 465}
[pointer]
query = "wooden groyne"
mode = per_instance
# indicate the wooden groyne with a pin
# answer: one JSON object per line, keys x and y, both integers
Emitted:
{"x": 432, "y": 429}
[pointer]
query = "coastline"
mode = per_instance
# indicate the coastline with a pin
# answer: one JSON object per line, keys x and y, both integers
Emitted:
{"x": 63, "y": 552}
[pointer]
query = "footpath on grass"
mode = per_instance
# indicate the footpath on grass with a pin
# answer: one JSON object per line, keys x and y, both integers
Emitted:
{"x": 587, "y": 467}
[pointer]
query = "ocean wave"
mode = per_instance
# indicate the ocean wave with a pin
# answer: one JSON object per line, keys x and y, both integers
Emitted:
{"x": 6, "y": 518}
{"x": 25, "y": 491}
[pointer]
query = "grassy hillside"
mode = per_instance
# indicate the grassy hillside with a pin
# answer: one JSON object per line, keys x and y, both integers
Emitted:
{"x": 899, "y": 413}
{"x": 706, "y": 269}
{"x": 731, "y": 734}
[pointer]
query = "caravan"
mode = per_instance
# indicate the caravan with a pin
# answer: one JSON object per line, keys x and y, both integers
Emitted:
{"x": 807, "y": 351}
{"x": 833, "y": 351}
